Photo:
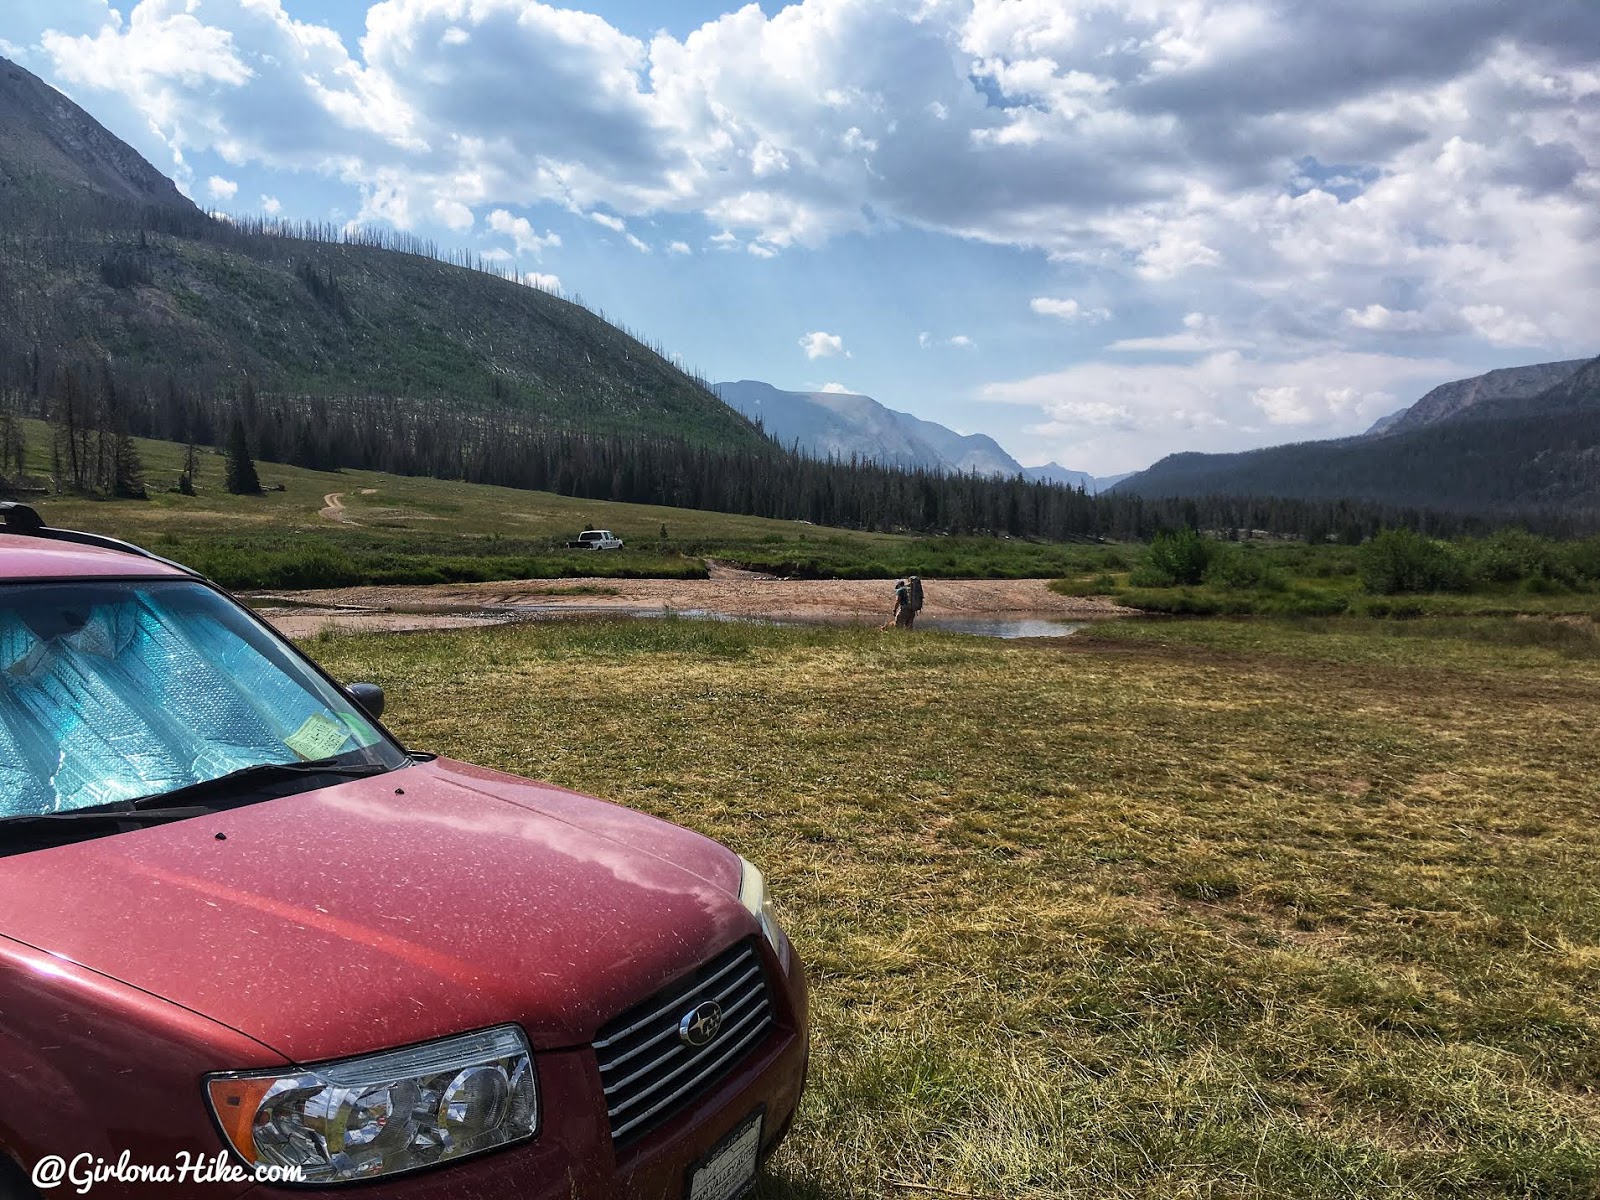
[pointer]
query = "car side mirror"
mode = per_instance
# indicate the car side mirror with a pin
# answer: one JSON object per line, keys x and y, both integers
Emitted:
{"x": 369, "y": 696}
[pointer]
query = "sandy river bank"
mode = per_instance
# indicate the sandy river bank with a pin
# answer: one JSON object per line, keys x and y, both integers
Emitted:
{"x": 729, "y": 594}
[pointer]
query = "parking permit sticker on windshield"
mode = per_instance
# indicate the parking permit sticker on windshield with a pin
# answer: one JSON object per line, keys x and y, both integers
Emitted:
{"x": 320, "y": 737}
{"x": 366, "y": 735}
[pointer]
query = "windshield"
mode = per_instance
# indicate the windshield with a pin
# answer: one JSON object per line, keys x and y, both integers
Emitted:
{"x": 116, "y": 691}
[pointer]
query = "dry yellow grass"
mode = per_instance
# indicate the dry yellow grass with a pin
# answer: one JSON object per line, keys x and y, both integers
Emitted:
{"x": 1174, "y": 910}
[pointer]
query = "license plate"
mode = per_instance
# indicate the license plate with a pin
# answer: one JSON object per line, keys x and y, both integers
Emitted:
{"x": 729, "y": 1171}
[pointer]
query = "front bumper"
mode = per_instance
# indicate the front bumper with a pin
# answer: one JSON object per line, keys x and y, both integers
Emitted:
{"x": 572, "y": 1157}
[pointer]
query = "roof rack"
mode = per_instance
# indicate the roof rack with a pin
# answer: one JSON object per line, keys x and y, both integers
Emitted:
{"x": 24, "y": 519}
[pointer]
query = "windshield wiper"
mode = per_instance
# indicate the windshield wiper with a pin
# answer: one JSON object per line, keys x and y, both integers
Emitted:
{"x": 260, "y": 774}
{"x": 110, "y": 816}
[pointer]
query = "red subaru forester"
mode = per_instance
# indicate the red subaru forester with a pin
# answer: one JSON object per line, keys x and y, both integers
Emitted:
{"x": 249, "y": 943}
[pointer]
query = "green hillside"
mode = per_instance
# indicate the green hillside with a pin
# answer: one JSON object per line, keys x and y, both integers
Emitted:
{"x": 101, "y": 258}
{"x": 1541, "y": 453}
{"x": 314, "y": 318}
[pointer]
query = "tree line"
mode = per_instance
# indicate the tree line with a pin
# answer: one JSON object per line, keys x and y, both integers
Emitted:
{"x": 95, "y": 410}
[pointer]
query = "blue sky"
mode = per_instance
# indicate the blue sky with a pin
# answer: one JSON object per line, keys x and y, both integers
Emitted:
{"x": 1099, "y": 230}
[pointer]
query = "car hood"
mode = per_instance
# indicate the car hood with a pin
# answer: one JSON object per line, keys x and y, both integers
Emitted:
{"x": 378, "y": 912}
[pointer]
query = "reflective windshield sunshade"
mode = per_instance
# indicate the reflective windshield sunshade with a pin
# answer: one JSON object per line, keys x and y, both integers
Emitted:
{"x": 116, "y": 691}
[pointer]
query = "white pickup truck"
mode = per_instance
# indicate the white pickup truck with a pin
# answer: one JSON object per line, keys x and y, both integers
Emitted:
{"x": 596, "y": 539}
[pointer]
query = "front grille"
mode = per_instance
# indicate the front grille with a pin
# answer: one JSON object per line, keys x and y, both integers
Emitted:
{"x": 649, "y": 1073}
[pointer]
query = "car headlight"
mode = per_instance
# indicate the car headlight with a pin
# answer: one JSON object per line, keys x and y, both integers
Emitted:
{"x": 753, "y": 895}
{"x": 383, "y": 1113}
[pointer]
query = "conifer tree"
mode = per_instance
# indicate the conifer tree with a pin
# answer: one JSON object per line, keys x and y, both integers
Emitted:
{"x": 242, "y": 479}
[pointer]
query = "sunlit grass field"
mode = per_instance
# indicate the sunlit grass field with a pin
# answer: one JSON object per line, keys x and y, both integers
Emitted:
{"x": 401, "y": 529}
{"x": 1169, "y": 909}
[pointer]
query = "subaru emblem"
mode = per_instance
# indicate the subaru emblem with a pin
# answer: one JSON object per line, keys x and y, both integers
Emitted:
{"x": 700, "y": 1024}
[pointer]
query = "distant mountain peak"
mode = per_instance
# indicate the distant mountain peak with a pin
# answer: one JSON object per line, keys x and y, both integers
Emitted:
{"x": 849, "y": 425}
{"x": 1450, "y": 400}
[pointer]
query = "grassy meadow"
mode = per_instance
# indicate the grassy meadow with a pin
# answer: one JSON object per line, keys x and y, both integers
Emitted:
{"x": 1168, "y": 909}
{"x": 399, "y": 529}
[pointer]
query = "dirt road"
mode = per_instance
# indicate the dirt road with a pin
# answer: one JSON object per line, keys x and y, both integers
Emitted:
{"x": 457, "y": 605}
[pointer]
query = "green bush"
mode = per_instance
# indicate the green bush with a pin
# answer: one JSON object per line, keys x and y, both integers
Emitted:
{"x": 1399, "y": 561}
{"x": 1242, "y": 567}
{"x": 1179, "y": 558}
{"x": 1581, "y": 560}
{"x": 1514, "y": 556}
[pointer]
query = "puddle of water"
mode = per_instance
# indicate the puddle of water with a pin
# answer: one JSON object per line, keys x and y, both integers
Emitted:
{"x": 995, "y": 627}
{"x": 999, "y": 627}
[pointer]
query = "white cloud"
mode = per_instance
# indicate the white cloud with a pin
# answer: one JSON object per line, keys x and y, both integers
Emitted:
{"x": 1067, "y": 309}
{"x": 1201, "y": 334}
{"x": 679, "y": 248}
{"x": 959, "y": 341}
{"x": 1173, "y": 256}
{"x": 521, "y": 232}
{"x": 638, "y": 244}
{"x": 545, "y": 283}
{"x": 1502, "y": 326}
{"x": 271, "y": 205}
{"x": 454, "y": 215}
{"x": 1283, "y": 405}
{"x": 1405, "y": 175}
{"x": 838, "y": 389}
{"x": 222, "y": 189}
{"x": 962, "y": 342}
{"x": 823, "y": 345}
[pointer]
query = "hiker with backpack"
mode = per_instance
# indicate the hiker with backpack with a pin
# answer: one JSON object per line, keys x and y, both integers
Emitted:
{"x": 902, "y": 607}
{"x": 907, "y": 602}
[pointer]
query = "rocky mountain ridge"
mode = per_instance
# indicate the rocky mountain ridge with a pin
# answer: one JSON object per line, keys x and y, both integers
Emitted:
{"x": 847, "y": 425}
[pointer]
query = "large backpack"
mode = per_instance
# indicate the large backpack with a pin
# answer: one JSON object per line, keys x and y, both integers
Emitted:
{"x": 916, "y": 593}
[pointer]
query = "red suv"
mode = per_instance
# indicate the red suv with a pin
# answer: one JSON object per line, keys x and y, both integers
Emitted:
{"x": 249, "y": 943}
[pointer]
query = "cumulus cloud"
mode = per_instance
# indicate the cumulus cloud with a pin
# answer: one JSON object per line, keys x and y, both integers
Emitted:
{"x": 545, "y": 283}
{"x": 959, "y": 341}
{"x": 521, "y": 232}
{"x": 271, "y": 205}
{"x": 1067, "y": 309}
{"x": 1367, "y": 178}
{"x": 1137, "y": 137}
{"x": 679, "y": 248}
{"x": 823, "y": 345}
{"x": 453, "y": 214}
{"x": 222, "y": 189}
